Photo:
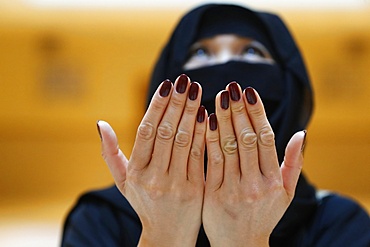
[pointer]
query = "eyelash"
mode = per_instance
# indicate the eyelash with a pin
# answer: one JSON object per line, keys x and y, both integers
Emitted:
{"x": 201, "y": 51}
{"x": 197, "y": 51}
{"x": 256, "y": 51}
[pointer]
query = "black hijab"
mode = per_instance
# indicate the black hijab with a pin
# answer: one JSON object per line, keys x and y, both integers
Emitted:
{"x": 284, "y": 87}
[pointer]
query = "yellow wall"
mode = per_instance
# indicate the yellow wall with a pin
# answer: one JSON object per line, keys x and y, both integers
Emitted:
{"x": 61, "y": 71}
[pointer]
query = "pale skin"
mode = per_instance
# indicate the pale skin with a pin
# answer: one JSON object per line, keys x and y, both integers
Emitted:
{"x": 245, "y": 193}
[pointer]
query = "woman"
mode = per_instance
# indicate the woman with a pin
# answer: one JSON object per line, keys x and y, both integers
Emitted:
{"x": 246, "y": 198}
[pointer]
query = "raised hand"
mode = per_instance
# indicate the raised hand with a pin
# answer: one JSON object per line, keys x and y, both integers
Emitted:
{"x": 164, "y": 178}
{"x": 246, "y": 191}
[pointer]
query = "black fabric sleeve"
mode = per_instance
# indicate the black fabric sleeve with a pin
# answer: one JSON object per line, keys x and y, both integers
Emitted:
{"x": 95, "y": 221}
{"x": 338, "y": 222}
{"x": 91, "y": 224}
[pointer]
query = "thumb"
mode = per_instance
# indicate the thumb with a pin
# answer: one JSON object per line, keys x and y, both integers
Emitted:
{"x": 113, "y": 156}
{"x": 293, "y": 162}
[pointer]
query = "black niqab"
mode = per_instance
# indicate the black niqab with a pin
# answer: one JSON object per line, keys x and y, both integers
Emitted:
{"x": 105, "y": 217}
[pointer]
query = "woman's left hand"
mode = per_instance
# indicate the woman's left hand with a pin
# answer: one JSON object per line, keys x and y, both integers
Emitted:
{"x": 246, "y": 192}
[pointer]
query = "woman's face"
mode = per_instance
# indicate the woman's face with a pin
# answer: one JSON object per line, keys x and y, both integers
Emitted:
{"x": 225, "y": 47}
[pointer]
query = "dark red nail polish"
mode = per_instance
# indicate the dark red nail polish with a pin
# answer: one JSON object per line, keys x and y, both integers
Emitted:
{"x": 97, "y": 125}
{"x": 234, "y": 91}
{"x": 304, "y": 141}
{"x": 225, "y": 100}
{"x": 212, "y": 122}
{"x": 250, "y": 95}
{"x": 182, "y": 83}
{"x": 193, "y": 91}
{"x": 201, "y": 114}
{"x": 165, "y": 88}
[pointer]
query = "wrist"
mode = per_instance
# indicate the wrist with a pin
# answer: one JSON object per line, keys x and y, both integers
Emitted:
{"x": 175, "y": 237}
{"x": 244, "y": 242}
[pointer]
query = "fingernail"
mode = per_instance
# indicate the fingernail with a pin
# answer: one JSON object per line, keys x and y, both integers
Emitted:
{"x": 234, "y": 91}
{"x": 250, "y": 95}
{"x": 225, "y": 100}
{"x": 212, "y": 122}
{"x": 193, "y": 91}
{"x": 182, "y": 83}
{"x": 201, "y": 114}
{"x": 304, "y": 141}
{"x": 165, "y": 88}
{"x": 97, "y": 125}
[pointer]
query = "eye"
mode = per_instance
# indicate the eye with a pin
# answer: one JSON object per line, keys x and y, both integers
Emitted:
{"x": 198, "y": 52}
{"x": 198, "y": 56}
{"x": 256, "y": 52}
{"x": 253, "y": 51}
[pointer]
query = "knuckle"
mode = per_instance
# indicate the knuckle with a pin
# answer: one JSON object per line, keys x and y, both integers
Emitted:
{"x": 157, "y": 105}
{"x": 213, "y": 139}
{"x": 191, "y": 109}
{"x": 275, "y": 185}
{"x": 253, "y": 195}
{"x": 182, "y": 138}
{"x": 267, "y": 137}
{"x": 248, "y": 139}
{"x": 199, "y": 131}
{"x": 154, "y": 192}
{"x": 176, "y": 102}
{"x": 238, "y": 109}
{"x": 257, "y": 113}
{"x": 145, "y": 131}
{"x": 106, "y": 154}
{"x": 196, "y": 152}
{"x": 230, "y": 145}
{"x": 165, "y": 131}
{"x": 223, "y": 117}
{"x": 216, "y": 158}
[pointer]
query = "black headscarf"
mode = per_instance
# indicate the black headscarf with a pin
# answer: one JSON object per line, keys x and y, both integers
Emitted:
{"x": 106, "y": 218}
{"x": 284, "y": 86}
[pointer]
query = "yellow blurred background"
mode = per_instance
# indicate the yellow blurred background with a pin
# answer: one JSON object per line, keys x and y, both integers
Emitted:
{"x": 63, "y": 69}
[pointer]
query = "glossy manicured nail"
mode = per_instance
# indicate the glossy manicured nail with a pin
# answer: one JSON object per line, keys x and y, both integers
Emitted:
{"x": 201, "y": 114}
{"x": 225, "y": 100}
{"x": 234, "y": 91}
{"x": 212, "y": 122}
{"x": 250, "y": 95}
{"x": 193, "y": 91}
{"x": 97, "y": 125}
{"x": 165, "y": 88}
{"x": 182, "y": 83}
{"x": 304, "y": 141}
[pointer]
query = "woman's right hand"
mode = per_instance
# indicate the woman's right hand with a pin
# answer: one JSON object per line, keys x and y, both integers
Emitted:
{"x": 164, "y": 178}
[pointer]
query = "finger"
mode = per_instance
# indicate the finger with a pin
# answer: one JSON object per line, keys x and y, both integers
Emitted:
{"x": 247, "y": 139}
{"x": 293, "y": 162}
{"x": 196, "y": 156}
{"x": 167, "y": 128}
{"x": 146, "y": 133}
{"x": 267, "y": 156}
{"x": 227, "y": 137}
{"x": 215, "y": 166}
{"x": 113, "y": 156}
{"x": 183, "y": 140}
